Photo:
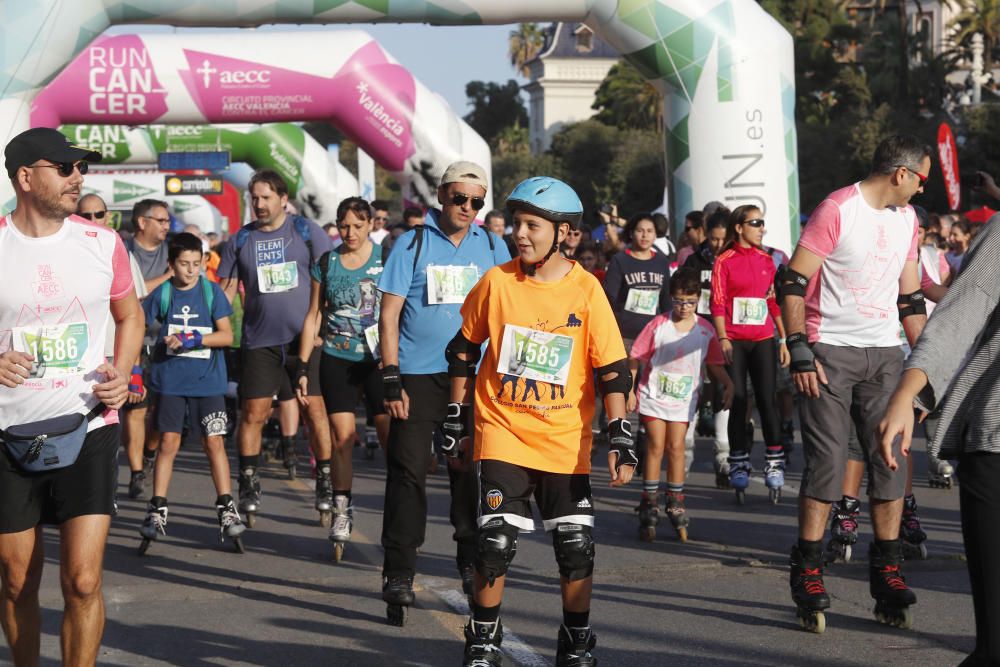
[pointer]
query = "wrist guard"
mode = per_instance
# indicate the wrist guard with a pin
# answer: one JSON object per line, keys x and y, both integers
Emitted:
{"x": 456, "y": 426}
{"x": 621, "y": 442}
{"x": 392, "y": 383}
{"x": 135, "y": 384}
{"x": 803, "y": 359}
{"x": 190, "y": 340}
{"x": 301, "y": 371}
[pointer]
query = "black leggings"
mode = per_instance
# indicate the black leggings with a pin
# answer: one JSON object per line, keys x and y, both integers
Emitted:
{"x": 758, "y": 359}
{"x": 979, "y": 498}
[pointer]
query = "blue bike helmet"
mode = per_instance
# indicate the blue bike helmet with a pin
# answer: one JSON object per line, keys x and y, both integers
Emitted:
{"x": 547, "y": 198}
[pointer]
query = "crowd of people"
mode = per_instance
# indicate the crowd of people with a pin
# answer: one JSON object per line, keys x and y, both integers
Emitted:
{"x": 509, "y": 347}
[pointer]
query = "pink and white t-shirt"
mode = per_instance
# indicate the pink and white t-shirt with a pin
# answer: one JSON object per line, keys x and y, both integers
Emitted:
{"x": 672, "y": 360}
{"x": 851, "y": 300}
{"x": 55, "y": 305}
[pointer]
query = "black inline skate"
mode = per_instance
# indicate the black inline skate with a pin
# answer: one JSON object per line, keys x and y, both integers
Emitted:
{"x": 649, "y": 517}
{"x": 843, "y": 530}
{"x": 912, "y": 535}
{"x": 575, "y": 645}
{"x": 677, "y": 514}
{"x": 939, "y": 473}
{"x": 230, "y": 524}
{"x": 397, "y": 593}
{"x": 249, "y": 483}
{"x": 289, "y": 457}
{"x": 482, "y": 645}
{"x": 324, "y": 495}
{"x": 808, "y": 590}
{"x": 893, "y": 597}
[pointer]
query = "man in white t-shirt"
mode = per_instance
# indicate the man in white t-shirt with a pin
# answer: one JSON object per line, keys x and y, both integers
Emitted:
{"x": 65, "y": 279}
{"x": 852, "y": 279}
{"x": 380, "y": 220}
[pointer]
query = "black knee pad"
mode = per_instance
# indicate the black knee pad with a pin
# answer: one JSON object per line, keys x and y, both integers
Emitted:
{"x": 495, "y": 548}
{"x": 574, "y": 547}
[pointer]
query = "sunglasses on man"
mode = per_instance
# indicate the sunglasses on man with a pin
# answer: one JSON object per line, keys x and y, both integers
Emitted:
{"x": 459, "y": 199}
{"x": 96, "y": 215}
{"x": 66, "y": 168}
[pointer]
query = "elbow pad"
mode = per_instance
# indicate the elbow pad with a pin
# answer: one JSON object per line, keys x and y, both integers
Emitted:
{"x": 793, "y": 283}
{"x": 458, "y": 367}
{"x": 621, "y": 383}
{"x": 911, "y": 304}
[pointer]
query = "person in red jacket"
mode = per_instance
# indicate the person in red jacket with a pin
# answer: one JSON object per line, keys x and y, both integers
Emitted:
{"x": 745, "y": 314}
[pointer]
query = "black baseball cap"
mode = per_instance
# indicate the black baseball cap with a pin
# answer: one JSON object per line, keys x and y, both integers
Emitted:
{"x": 43, "y": 143}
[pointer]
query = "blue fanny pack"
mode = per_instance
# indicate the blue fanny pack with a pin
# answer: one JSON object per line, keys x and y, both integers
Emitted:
{"x": 51, "y": 443}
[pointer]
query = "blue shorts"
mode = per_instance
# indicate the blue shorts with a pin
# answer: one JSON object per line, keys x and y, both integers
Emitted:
{"x": 208, "y": 412}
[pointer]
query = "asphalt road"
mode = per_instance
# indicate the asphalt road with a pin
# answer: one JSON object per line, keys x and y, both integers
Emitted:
{"x": 720, "y": 599}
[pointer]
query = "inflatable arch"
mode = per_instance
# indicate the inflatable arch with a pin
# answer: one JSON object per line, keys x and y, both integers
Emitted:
{"x": 316, "y": 181}
{"x": 228, "y": 76}
{"x": 725, "y": 68}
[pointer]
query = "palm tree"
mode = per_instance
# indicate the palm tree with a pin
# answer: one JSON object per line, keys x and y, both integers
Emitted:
{"x": 524, "y": 44}
{"x": 977, "y": 16}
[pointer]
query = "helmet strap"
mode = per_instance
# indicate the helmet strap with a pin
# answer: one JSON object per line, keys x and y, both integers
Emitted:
{"x": 530, "y": 270}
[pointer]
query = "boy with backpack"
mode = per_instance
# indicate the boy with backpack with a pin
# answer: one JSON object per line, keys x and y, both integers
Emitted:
{"x": 188, "y": 372}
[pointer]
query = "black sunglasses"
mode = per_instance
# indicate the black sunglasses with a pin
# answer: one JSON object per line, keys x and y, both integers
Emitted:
{"x": 756, "y": 222}
{"x": 66, "y": 168}
{"x": 459, "y": 199}
{"x": 96, "y": 215}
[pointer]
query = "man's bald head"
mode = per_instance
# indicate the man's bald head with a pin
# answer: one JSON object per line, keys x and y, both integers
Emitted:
{"x": 93, "y": 208}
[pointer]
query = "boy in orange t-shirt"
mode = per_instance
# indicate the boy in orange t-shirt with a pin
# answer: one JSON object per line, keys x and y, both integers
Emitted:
{"x": 550, "y": 327}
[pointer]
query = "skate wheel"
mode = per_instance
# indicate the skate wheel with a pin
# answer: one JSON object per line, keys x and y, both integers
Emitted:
{"x": 741, "y": 497}
{"x": 682, "y": 533}
{"x": 338, "y": 554}
{"x": 396, "y": 615}
{"x": 238, "y": 545}
{"x": 847, "y": 553}
{"x": 948, "y": 483}
{"x": 325, "y": 518}
{"x": 647, "y": 533}
{"x": 905, "y": 619}
{"x": 291, "y": 473}
{"x": 144, "y": 546}
{"x": 922, "y": 549}
{"x": 251, "y": 519}
{"x": 813, "y": 621}
{"x": 775, "y": 495}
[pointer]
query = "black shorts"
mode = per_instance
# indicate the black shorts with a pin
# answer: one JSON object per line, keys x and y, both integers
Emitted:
{"x": 86, "y": 487}
{"x": 342, "y": 380}
{"x": 265, "y": 372}
{"x": 208, "y": 412}
{"x": 505, "y": 488}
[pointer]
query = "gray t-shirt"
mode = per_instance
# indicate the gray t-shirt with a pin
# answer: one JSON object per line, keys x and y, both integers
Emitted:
{"x": 152, "y": 263}
{"x": 274, "y": 269}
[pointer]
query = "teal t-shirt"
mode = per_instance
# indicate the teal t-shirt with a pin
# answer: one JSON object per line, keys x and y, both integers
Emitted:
{"x": 352, "y": 305}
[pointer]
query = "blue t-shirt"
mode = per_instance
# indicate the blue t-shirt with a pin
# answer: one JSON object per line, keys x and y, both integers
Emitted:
{"x": 425, "y": 329}
{"x": 275, "y": 308}
{"x": 352, "y": 305}
{"x": 187, "y": 375}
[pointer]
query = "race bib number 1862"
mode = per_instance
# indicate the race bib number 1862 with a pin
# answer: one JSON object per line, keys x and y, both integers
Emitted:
{"x": 535, "y": 355}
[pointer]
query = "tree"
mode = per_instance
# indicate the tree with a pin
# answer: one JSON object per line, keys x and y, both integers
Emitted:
{"x": 495, "y": 107}
{"x": 977, "y": 16}
{"x": 626, "y": 99}
{"x": 523, "y": 45}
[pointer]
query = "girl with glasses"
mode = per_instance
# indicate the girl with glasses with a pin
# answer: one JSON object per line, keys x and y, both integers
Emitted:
{"x": 672, "y": 349}
{"x": 745, "y": 314}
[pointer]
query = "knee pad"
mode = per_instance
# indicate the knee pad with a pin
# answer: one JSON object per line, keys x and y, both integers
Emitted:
{"x": 574, "y": 548}
{"x": 495, "y": 548}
